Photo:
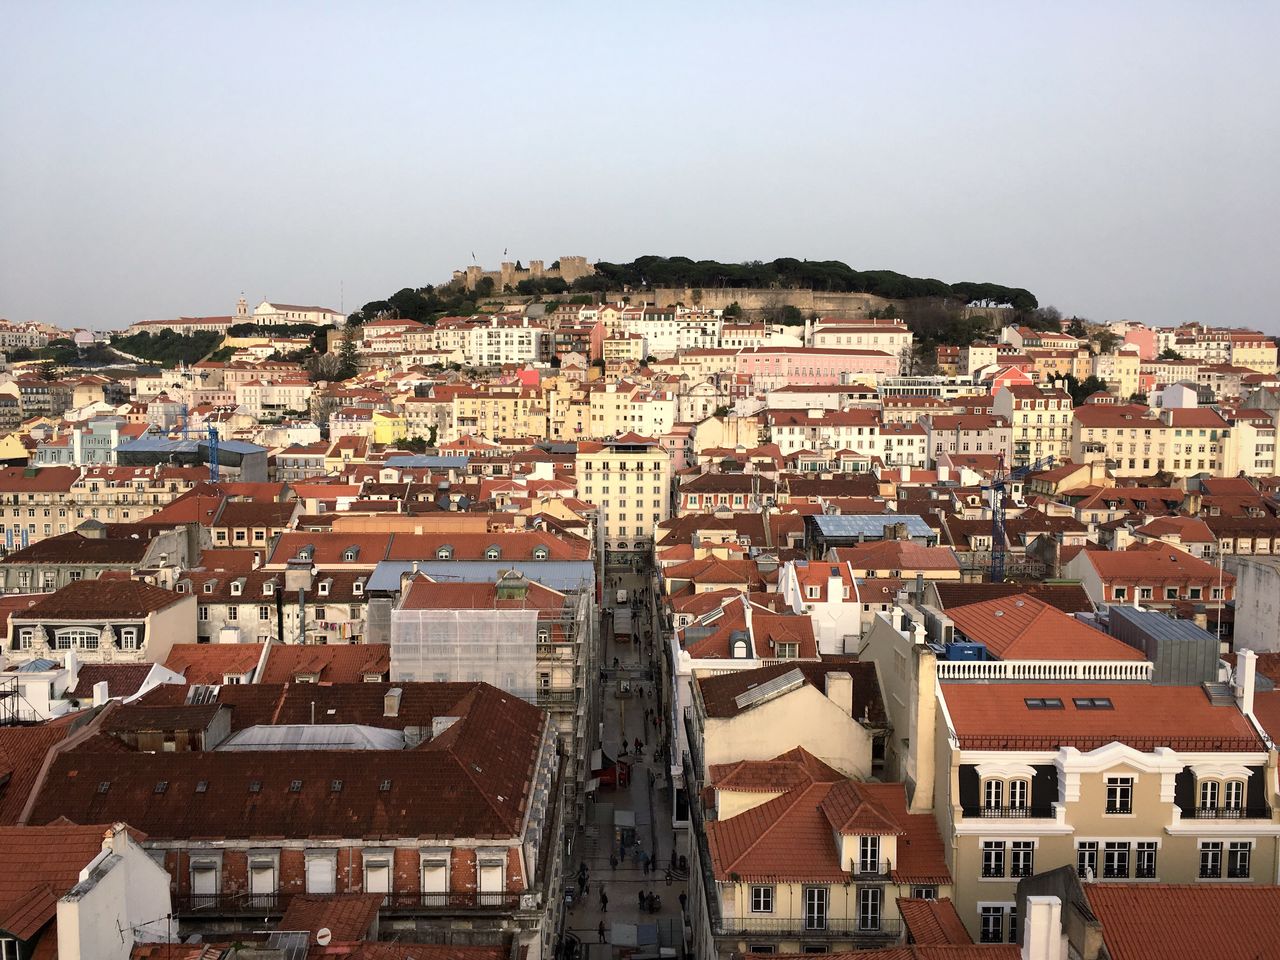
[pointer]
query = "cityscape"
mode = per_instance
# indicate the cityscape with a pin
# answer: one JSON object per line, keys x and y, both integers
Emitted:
{"x": 613, "y": 605}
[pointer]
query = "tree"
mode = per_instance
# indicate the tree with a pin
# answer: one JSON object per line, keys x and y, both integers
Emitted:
{"x": 326, "y": 366}
{"x": 1080, "y": 390}
{"x": 46, "y": 371}
{"x": 732, "y": 310}
{"x": 1108, "y": 341}
{"x": 1168, "y": 353}
{"x": 347, "y": 355}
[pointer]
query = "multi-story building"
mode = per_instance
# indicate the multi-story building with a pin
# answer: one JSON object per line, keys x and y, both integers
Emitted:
{"x": 249, "y": 607}
{"x": 888, "y": 336}
{"x": 103, "y": 621}
{"x": 629, "y": 479}
{"x": 500, "y": 411}
{"x": 954, "y": 434}
{"x": 243, "y": 830}
{"x": 1138, "y": 442}
{"x": 507, "y": 340}
{"x": 1039, "y": 420}
{"x": 268, "y": 314}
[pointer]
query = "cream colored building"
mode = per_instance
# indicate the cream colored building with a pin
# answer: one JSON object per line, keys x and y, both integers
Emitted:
{"x": 496, "y": 411}
{"x": 1120, "y": 371}
{"x": 1040, "y": 421}
{"x": 1137, "y": 442}
{"x": 629, "y": 478}
{"x": 270, "y": 314}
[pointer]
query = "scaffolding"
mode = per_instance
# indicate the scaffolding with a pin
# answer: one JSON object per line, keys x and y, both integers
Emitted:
{"x": 496, "y": 646}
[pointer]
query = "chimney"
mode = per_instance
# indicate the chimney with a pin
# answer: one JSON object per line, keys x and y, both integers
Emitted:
{"x": 72, "y": 663}
{"x": 944, "y": 474}
{"x": 840, "y": 690}
{"x": 1042, "y": 935}
{"x": 391, "y": 702}
{"x": 919, "y": 587}
{"x": 906, "y": 473}
{"x": 100, "y": 693}
{"x": 1246, "y": 678}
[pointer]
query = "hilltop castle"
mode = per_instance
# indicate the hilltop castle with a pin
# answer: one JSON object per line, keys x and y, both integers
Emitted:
{"x": 509, "y": 274}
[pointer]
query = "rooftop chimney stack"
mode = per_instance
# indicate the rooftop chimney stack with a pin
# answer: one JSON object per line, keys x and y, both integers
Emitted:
{"x": 1042, "y": 936}
{"x": 840, "y": 690}
{"x": 1246, "y": 680}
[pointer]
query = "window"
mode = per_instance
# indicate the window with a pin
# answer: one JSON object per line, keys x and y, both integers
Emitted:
{"x": 74, "y": 638}
{"x": 991, "y": 929}
{"x": 1238, "y": 853}
{"x": 262, "y": 881}
{"x": 377, "y": 872}
{"x": 924, "y": 893}
{"x": 444, "y": 553}
{"x": 435, "y": 873}
{"x": 204, "y": 882}
{"x": 1087, "y": 859}
{"x": 993, "y": 858}
{"x": 1119, "y": 794}
{"x": 815, "y": 908}
{"x": 322, "y": 871}
{"x": 202, "y": 612}
{"x": 1144, "y": 867}
{"x": 1115, "y": 861}
{"x": 993, "y": 794}
{"x": 1119, "y": 593}
{"x": 868, "y": 854}
{"x": 1019, "y": 793}
{"x": 1210, "y": 860}
{"x": 493, "y": 553}
{"x": 233, "y": 613}
{"x": 128, "y": 638}
{"x": 869, "y": 908}
{"x": 1209, "y": 794}
{"x": 1092, "y": 703}
{"x": 762, "y": 899}
{"x": 1233, "y": 795}
{"x": 491, "y": 879}
{"x": 1043, "y": 703}
{"x": 1022, "y": 858}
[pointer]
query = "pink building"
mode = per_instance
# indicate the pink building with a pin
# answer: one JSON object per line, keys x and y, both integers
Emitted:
{"x": 1144, "y": 338}
{"x": 772, "y": 367}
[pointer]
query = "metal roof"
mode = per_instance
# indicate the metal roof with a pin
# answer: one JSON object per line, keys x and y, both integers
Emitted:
{"x": 562, "y": 575}
{"x": 322, "y": 736}
{"x": 870, "y": 524}
{"x": 779, "y": 685}
{"x": 1158, "y": 625}
{"x": 424, "y": 462}
{"x": 148, "y": 443}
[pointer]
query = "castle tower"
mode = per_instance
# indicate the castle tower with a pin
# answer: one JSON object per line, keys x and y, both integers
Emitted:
{"x": 242, "y": 308}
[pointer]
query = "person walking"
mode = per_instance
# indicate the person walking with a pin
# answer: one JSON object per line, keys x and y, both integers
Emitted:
{"x": 668, "y": 880}
{"x": 641, "y": 901}
{"x": 683, "y": 901}
{"x": 604, "y": 897}
{"x": 613, "y": 861}
{"x": 600, "y": 931}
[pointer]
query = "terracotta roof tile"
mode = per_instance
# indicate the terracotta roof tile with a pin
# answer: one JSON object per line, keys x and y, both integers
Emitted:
{"x": 1067, "y": 597}
{"x": 1024, "y": 628}
{"x": 1157, "y": 921}
{"x": 347, "y": 916}
{"x": 209, "y": 663}
{"x": 719, "y": 692}
{"x": 933, "y": 921}
{"x": 102, "y": 599}
{"x": 40, "y": 865}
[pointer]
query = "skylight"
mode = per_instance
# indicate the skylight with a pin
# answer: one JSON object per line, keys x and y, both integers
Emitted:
{"x": 1043, "y": 703}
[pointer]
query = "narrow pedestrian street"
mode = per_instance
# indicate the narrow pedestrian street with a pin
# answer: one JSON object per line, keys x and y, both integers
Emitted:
{"x": 627, "y": 848}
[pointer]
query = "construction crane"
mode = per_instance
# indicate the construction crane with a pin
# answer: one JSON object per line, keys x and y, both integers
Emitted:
{"x": 213, "y": 443}
{"x": 999, "y": 486}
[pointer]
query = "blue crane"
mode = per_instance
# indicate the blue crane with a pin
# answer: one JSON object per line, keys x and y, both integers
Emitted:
{"x": 213, "y": 443}
{"x": 999, "y": 487}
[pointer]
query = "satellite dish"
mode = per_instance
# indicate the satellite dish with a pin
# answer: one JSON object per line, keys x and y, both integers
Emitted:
{"x": 323, "y": 936}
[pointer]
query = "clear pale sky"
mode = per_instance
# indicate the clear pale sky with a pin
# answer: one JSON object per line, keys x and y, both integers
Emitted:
{"x": 156, "y": 159}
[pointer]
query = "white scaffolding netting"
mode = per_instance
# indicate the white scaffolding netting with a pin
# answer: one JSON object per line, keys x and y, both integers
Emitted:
{"x": 492, "y": 646}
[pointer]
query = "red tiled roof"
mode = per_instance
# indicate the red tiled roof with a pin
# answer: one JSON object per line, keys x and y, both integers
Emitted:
{"x": 790, "y": 838}
{"x": 476, "y": 772}
{"x": 1208, "y": 921}
{"x": 932, "y": 921}
{"x": 123, "y": 679}
{"x": 1023, "y": 628}
{"x": 22, "y": 753}
{"x": 40, "y": 865}
{"x": 209, "y": 663}
{"x": 332, "y": 663}
{"x": 101, "y": 599}
{"x": 897, "y": 555}
{"x": 1155, "y": 564}
{"x": 1067, "y": 597}
{"x": 795, "y": 768}
{"x": 347, "y": 916}
{"x": 996, "y": 717}
{"x": 719, "y": 692}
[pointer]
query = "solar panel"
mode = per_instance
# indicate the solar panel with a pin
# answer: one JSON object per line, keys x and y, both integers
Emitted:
{"x": 770, "y": 688}
{"x": 293, "y": 943}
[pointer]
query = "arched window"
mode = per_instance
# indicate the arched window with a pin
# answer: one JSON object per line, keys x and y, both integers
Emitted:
{"x": 444, "y": 553}
{"x": 493, "y": 553}
{"x": 540, "y": 553}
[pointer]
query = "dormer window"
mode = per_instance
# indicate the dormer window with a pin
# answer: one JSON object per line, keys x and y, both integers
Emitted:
{"x": 444, "y": 553}
{"x": 357, "y": 588}
{"x": 493, "y": 553}
{"x": 269, "y": 588}
{"x": 208, "y": 586}
{"x": 322, "y": 588}
{"x": 812, "y": 592}
{"x": 540, "y": 553}
{"x": 350, "y": 554}
{"x": 740, "y": 649}
{"x": 237, "y": 588}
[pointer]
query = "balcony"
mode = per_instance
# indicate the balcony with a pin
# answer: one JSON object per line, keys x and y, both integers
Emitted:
{"x": 230, "y": 904}
{"x": 1009, "y": 813}
{"x": 802, "y": 927}
{"x": 1260, "y": 811}
{"x": 1063, "y": 670}
{"x": 557, "y": 698}
{"x": 244, "y": 904}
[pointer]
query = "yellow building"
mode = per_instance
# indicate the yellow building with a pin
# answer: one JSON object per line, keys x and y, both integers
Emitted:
{"x": 501, "y": 412}
{"x": 388, "y": 427}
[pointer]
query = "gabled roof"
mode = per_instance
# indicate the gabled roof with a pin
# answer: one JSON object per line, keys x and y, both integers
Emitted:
{"x": 719, "y": 693}
{"x": 330, "y": 663}
{"x": 897, "y": 555}
{"x": 1067, "y": 597}
{"x": 1021, "y": 627}
{"x": 1157, "y": 921}
{"x": 22, "y": 753}
{"x": 1154, "y": 563}
{"x": 209, "y": 663}
{"x": 933, "y": 921}
{"x": 40, "y": 865}
{"x": 795, "y": 768}
{"x": 347, "y": 916}
{"x": 101, "y": 600}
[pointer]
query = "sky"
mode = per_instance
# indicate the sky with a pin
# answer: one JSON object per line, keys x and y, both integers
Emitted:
{"x": 1119, "y": 160}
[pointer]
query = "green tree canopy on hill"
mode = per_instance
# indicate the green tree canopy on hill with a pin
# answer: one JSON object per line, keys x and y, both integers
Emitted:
{"x": 789, "y": 273}
{"x": 167, "y": 347}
